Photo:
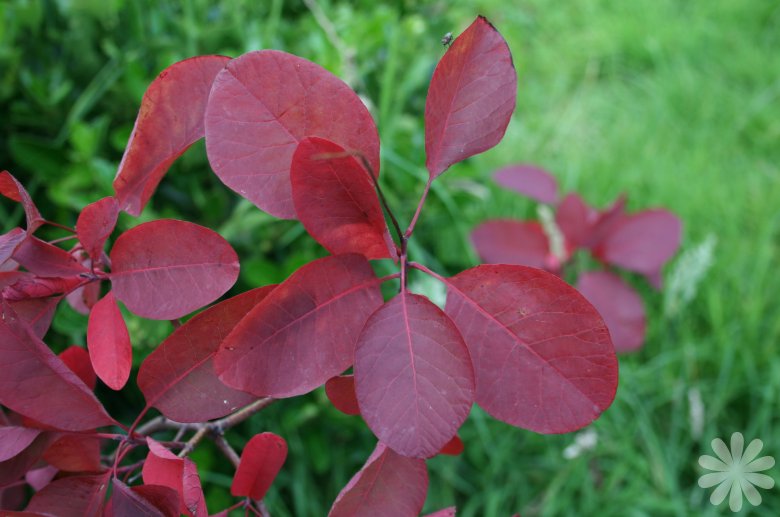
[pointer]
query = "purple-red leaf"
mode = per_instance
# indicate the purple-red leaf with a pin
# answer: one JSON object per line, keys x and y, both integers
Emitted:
{"x": 261, "y": 460}
{"x": 184, "y": 364}
{"x": 169, "y": 121}
{"x": 542, "y": 354}
{"x": 74, "y": 453}
{"x": 166, "y": 269}
{"x": 95, "y": 224}
{"x": 341, "y": 393}
{"x": 36, "y": 312}
{"x": 14, "y": 439}
{"x": 471, "y": 97}
{"x": 77, "y": 359}
{"x": 76, "y": 496}
{"x": 261, "y": 106}
{"x": 413, "y": 376}
{"x": 12, "y": 189}
{"x": 388, "y": 485}
{"x": 575, "y": 219}
{"x": 619, "y": 305}
{"x": 529, "y": 180}
{"x": 44, "y": 259}
{"x": 144, "y": 501}
{"x": 336, "y": 202}
{"x": 29, "y": 287}
{"x": 37, "y": 384}
{"x": 304, "y": 332}
{"x": 505, "y": 241}
{"x": 9, "y": 241}
{"x": 15, "y": 467}
{"x": 164, "y": 468}
{"x": 109, "y": 343}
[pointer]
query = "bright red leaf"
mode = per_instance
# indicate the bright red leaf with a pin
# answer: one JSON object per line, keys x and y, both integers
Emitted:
{"x": 166, "y": 269}
{"x": 413, "y": 376}
{"x": 504, "y": 241}
{"x": 12, "y": 189}
{"x": 261, "y": 460}
{"x": 453, "y": 448}
{"x": 542, "y": 354}
{"x": 261, "y": 106}
{"x": 619, "y": 305}
{"x": 164, "y": 468}
{"x": 470, "y": 99}
{"x": 109, "y": 343}
{"x": 44, "y": 259}
{"x": 95, "y": 224}
{"x": 77, "y": 359}
{"x": 75, "y": 496}
{"x": 169, "y": 121}
{"x": 388, "y": 485}
{"x": 530, "y": 181}
{"x": 37, "y": 384}
{"x": 184, "y": 364}
{"x": 304, "y": 332}
{"x": 143, "y": 501}
{"x": 336, "y": 202}
{"x": 341, "y": 393}
{"x": 74, "y": 453}
{"x": 14, "y": 439}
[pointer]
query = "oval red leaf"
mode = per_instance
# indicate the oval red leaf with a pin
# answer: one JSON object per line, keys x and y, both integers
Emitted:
{"x": 164, "y": 468}
{"x": 505, "y": 241}
{"x": 542, "y": 354}
{"x": 169, "y": 121}
{"x": 14, "y": 439}
{"x": 44, "y": 259}
{"x": 336, "y": 202}
{"x": 261, "y": 460}
{"x": 37, "y": 384}
{"x": 341, "y": 393}
{"x": 388, "y": 484}
{"x": 253, "y": 125}
{"x": 75, "y": 496}
{"x": 12, "y": 189}
{"x": 530, "y": 181}
{"x": 413, "y": 376}
{"x": 77, "y": 359}
{"x": 184, "y": 364}
{"x": 471, "y": 97}
{"x": 619, "y": 305}
{"x": 166, "y": 269}
{"x": 304, "y": 332}
{"x": 143, "y": 501}
{"x": 109, "y": 343}
{"x": 95, "y": 223}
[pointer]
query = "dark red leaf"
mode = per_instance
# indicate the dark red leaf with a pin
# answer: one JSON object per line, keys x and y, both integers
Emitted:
{"x": 388, "y": 485}
{"x": 74, "y": 453}
{"x": 82, "y": 299}
{"x": 75, "y": 496}
{"x": 542, "y": 354}
{"x": 109, "y": 343}
{"x": 261, "y": 460}
{"x": 12, "y": 498}
{"x": 27, "y": 287}
{"x": 453, "y": 448}
{"x": 184, "y": 364}
{"x": 261, "y": 106}
{"x": 504, "y": 241}
{"x": 341, "y": 393}
{"x": 14, "y": 439}
{"x": 77, "y": 359}
{"x": 529, "y": 180}
{"x": 36, "y": 312}
{"x": 619, "y": 305}
{"x": 164, "y": 468}
{"x": 144, "y": 501}
{"x": 37, "y": 384}
{"x": 336, "y": 202}
{"x": 9, "y": 241}
{"x": 12, "y": 189}
{"x": 95, "y": 224}
{"x": 304, "y": 332}
{"x": 413, "y": 376}
{"x": 15, "y": 467}
{"x": 575, "y": 219}
{"x": 166, "y": 269}
{"x": 642, "y": 242}
{"x": 169, "y": 121}
{"x": 445, "y": 512}
{"x": 44, "y": 259}
{"x": 470, "y": 99}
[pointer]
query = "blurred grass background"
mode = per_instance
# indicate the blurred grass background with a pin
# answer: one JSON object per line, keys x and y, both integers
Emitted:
{"x": 675, "y": 103}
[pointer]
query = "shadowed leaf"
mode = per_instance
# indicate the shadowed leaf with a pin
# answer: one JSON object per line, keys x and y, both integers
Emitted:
{"x": 76, "y": 496}
{"x": 144, "y": 501}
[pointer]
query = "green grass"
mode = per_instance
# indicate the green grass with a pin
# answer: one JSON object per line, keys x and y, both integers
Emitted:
{"x": 675, "y": 103}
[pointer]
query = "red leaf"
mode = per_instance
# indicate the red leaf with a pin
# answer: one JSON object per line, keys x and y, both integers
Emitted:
{"x": 169, "y": 121}
{"x": 15, "y": 467}
{"x": 304, "y": 332}
{"x": 77, "y": 359}
{"x": 504, "y": 241}
{"x": 75, "y": 496}
{"x": 166, "y": 269}
{"x": 341, "y": 393}
{"x": 14, "y": 439}
{"x": 445, "y": 512}
{"x": 606, "y": 222}
{"x": 74, "y": 453}
{"x": 28, "y": 287}
{"x": 144, "y": 501}
{"x": 453, "y": 448}
{"x": 109, "y": 343}
{"x": 529, "y": 180}
{"x": 164, "y": 468}
{"x": 471, "y": 97}
{"x": 9, "y": 241}
{"x": 37, "y": 384}
{"x": 388, "y": 485}
{"x": 12, "y": 189}
{"x": 642, "y": 242}
{"x": 619, "y": 305}
{"x": 44, "y": 259}
{"x": 575, "y": 219}
{"x": 95, "y": 224}
{"x": 184, "y": 364}
{"x": 40, "y": 477}
{"x": 35, "y": 312}
{"x": 336, "y": 201}
{"x": 261, "y": 460}
{"x": 82, "y": 299}
{"x": 542, "y": 354}
{"x": 413, "y": 376}
{"x": 261, "y": 106}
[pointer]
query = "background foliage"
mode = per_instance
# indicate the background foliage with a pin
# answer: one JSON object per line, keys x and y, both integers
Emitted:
{"x": 675, "y": 103}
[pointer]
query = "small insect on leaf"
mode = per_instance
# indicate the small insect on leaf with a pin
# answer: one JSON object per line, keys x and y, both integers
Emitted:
{"x": 446, "y": 40}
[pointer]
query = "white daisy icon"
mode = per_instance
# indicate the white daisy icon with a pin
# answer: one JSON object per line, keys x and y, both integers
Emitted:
{"x": 736, "y": 472}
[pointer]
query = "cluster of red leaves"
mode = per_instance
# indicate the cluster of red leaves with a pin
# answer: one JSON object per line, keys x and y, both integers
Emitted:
{"x": 641, "y": 242}
{"x": 296, "y": 141}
